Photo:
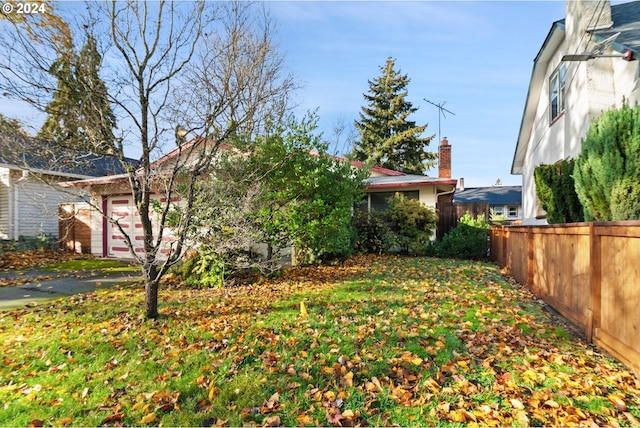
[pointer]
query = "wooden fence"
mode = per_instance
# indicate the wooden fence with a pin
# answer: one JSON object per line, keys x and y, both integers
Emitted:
{"x": 74, "y": 227}
{"x": 449, "y": 213}
{"x": 589, "y": 272}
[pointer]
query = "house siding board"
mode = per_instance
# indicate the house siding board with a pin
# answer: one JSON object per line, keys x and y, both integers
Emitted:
{"x": 5, "y": 203}
{"x": 37, "y": 207}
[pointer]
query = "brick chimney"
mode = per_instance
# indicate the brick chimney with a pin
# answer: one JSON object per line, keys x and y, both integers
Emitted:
{"x": 444, "y": 166}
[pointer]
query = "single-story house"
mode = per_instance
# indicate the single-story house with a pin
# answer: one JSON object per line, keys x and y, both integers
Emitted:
{"x": 113, "y": 195}
{"x": 505, "y": 202}
{"x": 587, "y": 64}
{"x": 30, "y": 171}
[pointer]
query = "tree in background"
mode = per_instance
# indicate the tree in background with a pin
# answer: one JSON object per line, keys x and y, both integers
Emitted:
{"x": 387, "y": 137}
{"x": 80, "y": 114}
{"x": 556, "y": 192}
{"x": 11, "y": 125}
{"x": 607, "y": 171}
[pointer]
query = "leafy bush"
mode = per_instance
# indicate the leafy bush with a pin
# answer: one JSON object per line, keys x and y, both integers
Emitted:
{"x": 412, "y": 223}
{"x": 610, "y": 160}
{"x": 468, "y": 240}
{"x": 203, "y": 269}
{"x": 555, "y": 189}
{"x": 373, "y": 234}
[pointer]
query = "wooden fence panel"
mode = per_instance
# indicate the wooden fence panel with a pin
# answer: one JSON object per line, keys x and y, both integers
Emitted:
{"x": 618, "y": 326}
{"x": 561, "y": 270}
{"x": 589, "y": 272}
{"x": 517, "y": 254}
{"x": 74, "y": 227}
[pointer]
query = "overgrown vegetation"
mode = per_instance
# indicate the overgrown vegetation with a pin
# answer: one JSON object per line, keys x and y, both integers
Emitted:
{"x": 268, "y": 194}
{"x": 391, "y": 340}
{"x": 412, "y": 222}
{"x": 607, "y": 171}
{"x": 406, "y": 226}
{"x": 555, "y": 188}
{"x": 468, "y": 240}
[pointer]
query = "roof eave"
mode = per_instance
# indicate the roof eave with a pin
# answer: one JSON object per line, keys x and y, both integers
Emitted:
{"x": 538, "y": 74}
{"x": 445, "y": 182}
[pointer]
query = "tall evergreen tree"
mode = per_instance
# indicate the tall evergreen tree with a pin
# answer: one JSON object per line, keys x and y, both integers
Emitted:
{"x": 387, "y": 137}
{"x": 80, "y": 115}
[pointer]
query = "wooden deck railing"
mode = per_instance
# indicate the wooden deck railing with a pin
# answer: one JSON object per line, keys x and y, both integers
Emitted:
{"x": 589, "y": 272}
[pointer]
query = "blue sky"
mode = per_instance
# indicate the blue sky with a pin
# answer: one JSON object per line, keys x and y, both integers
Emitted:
{"x": 474, "y": 57}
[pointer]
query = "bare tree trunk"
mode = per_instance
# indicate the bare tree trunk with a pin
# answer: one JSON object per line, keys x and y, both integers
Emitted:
{"x": 151, "y": 283}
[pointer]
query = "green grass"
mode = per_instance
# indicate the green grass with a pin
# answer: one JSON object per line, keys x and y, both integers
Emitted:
{"x": 388, "y": 340}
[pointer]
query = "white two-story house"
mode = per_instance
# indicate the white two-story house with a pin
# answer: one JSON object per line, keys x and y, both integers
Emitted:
{"x": 587, "y": 64}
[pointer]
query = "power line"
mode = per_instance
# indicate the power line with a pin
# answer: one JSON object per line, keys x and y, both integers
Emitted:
{"x": 441, "y": 111}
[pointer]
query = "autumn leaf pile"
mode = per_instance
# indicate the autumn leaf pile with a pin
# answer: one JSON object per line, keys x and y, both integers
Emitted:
{"x": 381, "y": 341}
{"x": 34, "y": 258}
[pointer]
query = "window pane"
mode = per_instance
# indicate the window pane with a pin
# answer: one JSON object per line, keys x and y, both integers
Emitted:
{"x": 380, "y": 200}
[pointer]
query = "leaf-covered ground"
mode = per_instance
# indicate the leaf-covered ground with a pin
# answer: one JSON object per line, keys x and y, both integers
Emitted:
{"x": 378, "y": 341}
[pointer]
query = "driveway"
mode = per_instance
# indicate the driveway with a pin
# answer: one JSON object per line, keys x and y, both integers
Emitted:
{"x": 35, "y": 290}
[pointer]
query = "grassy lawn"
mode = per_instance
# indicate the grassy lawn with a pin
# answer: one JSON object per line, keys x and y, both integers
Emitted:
{"x": 407, "y": 341}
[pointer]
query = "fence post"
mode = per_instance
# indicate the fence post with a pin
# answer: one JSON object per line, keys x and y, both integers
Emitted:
{"x": 595, "y": 283}
{"x": 530, "y": 260}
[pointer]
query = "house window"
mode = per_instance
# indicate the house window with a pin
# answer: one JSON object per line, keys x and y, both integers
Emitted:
{"x": 380, "y": 200}
{"x": 512, "y": 211}
{"x": 556, "y": 91}
{"x": 498, "y": 211}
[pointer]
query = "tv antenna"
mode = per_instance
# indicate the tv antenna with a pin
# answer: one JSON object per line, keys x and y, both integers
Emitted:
{"x": 441, "y": 111}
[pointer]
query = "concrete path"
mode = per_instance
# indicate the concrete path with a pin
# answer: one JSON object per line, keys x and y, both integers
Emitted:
{"x": 36, "y": 291}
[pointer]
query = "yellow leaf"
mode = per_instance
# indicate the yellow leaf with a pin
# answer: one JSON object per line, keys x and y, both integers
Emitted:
{"x": 303, "y": 309}
{"x": 530, "y": 376}
{"x": 151, "y": 417}
{"x": 213, "y": 391}
{"x": 521, "y": 417}
{"x": 305, "y": 420}
{"x": 417, "y": 361}
{"x": 617, "y": 402}
{"x": 64, "y": 422}
{"x": 348, "y": 379}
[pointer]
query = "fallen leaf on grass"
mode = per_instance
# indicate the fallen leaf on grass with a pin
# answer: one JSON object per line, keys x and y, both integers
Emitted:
{"x": 617, "y": 402}
{"x": 151, "y": 417}
{"x": 272, "y": 421}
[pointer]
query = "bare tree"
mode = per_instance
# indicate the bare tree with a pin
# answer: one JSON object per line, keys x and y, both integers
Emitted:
{"x": 182, "y": 78}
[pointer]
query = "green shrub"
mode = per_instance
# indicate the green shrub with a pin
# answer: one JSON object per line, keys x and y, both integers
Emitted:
{"x": 412, "y": 223}
{"x": 556, "y": 192}
{"x": 610, "y": 159}
{"x": 204, "y": 269}
{"x": 625, "y": 200}
{"x": 373, "y": 234}
{"x": 468, "y": 240}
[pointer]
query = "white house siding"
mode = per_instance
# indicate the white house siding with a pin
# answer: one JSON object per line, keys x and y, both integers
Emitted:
{"x": 592, "y": 87}
{"x": 4, "y": 203}
{"x": 35, "y": 205}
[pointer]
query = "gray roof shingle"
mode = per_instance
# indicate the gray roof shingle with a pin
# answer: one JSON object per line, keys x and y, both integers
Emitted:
{"x": 495, "y": 195}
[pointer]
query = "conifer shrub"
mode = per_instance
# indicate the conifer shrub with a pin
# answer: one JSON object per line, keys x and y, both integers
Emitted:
{"x": 607, "y": 171}
{"x": 556, "y": 192}
{"x": 412, "y": 222}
